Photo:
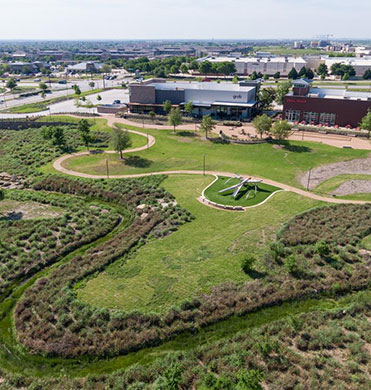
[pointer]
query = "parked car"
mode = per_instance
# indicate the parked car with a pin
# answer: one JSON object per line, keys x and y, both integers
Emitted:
{"x": 37, "y": 80}
{"x": 117, "y": 102}
{"x": 62, "y": 82}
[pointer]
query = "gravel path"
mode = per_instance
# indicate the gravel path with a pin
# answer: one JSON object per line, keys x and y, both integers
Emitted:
{"x": 353, "y": 187}
{"x": 318, "y": 175}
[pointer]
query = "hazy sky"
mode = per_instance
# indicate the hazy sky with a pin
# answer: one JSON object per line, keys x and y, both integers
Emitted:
{"x": 172, "y": 19}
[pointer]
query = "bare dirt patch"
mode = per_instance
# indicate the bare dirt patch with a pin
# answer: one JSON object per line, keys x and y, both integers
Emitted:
{"x": 14, "y": 210}
{"x": 353, "y": 187}
{"x": 325, "y": 172}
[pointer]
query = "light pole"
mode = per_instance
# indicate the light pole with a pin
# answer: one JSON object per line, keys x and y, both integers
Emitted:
{"x": 309, "y": 173}
{"x": 204, "y": 163}
{"x": 107, "y": 168}
{"x": 147, "y": 141}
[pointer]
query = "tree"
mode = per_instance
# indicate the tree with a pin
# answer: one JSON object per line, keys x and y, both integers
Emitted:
{"x": 120, "y": 140}
{"x": 366, "y": 122}
{"x": 99, "y": 98}
{"x": 281, "y": 130}
{"x": 310, "y": 74}
{"x": 83, "y": 128}
{"x": 175, "y": 117}
{"x": 266, "y": 97}
{"x": 253, "y": 75}
{"x": 77, "y": 89}
{"x": 55, "y": 135}
{"x": 92, "y": 84}
{"x": 367, "y": 74}
{"x": 247, "y": 264}
{"x": 207, "y": 124}
{"x": 322, "y": 71}
{"x": 106, "y": 68}
{"x": 277, "y": 75}
{"x": 193, "y": 65}
{"x": 265, "y": 77}
{"x": 183, "y": 68}
{"x": 302, "y": 72}
{"x": 262, "y": 124}
{"x": 189, "y": 108}
{"x": 339, "y": 69}
{"x": 205, "y": 67}
{"x": 43, "y": 86}
{"x": 11, "y": 83}
{"x": 166, "y": 106}
{"x": 293, "y": 74}
{"x": 282, "y": 90}
{"x": 43, "y": 94}
{"x": 152, "y": 114}
{"x": 235, "y": 79}
{"x": 345, "y": 76}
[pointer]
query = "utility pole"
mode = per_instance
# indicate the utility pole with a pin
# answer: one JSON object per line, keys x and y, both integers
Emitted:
{"x": 107, "y": 168}
{"x": 309, "y": 173}
{"x": 104, "y": 86}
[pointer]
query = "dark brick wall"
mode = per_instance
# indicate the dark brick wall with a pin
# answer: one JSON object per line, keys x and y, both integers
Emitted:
{"x": 175, "y": 97}
{"x": 348, "y": 112}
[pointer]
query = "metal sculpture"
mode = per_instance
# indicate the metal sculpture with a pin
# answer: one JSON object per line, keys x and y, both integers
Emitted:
{"x": 243, "y": 182}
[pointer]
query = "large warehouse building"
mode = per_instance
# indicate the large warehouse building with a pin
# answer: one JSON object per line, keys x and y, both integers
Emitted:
{"x": 264, "y": 64}
{"x": 326, "y": 106}
{"x": 220, "y": 100}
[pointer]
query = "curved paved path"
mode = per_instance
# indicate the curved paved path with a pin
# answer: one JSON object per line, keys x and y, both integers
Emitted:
{"x": 151, "y": 141}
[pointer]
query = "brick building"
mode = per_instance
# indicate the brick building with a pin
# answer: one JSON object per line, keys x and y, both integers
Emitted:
{"x": 326, "y": 106}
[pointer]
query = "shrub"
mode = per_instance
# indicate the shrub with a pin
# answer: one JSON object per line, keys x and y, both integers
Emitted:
{"x": 248, "y": 263}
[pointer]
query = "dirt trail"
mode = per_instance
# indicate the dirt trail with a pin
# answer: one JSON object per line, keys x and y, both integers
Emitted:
{"x": 318, "y": 175}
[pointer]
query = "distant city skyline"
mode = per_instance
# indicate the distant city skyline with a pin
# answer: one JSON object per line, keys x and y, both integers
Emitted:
{"x": 181, "y": 19}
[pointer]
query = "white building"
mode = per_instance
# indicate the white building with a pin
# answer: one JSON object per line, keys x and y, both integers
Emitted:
{"x": 360, "y": 65}
{"x": 265, "y": 65}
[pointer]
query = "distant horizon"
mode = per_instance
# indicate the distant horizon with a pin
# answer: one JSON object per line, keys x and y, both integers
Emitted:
{"x": 182, "y": 20}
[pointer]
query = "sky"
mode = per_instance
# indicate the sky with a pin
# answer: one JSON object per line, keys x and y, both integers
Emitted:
{"x": 183, "y": 19}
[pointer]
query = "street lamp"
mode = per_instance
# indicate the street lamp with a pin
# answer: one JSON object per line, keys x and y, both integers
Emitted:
{"x": 204, "y": 163}
{"x": 107, "y": 168}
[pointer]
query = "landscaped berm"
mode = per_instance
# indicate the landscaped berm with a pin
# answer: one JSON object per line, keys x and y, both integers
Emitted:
{"x": 245, "y": 197}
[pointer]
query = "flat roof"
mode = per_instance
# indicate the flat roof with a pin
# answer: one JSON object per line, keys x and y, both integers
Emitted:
{"x": 281, "y": 59}
{"x": 328, "y": 93}
{"x": 206, "y": 86}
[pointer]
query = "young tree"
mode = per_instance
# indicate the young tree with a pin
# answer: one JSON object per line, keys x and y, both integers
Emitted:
{"x": 43, "y": 87}
{"x": 367, "y": 74}
{"x": 253, "y": 76}
{"x": 277, "y": 75}
{"x": 188, "y": 108}
{"x": 77, "y": 89}
{"x": 83, "y": 128}
{"x": 175, "y": 117}
{"x": 152, "y": 114}
{"x": 235, "y": 79}
{"x": 262, "y": 124}
{"x": 92, "y": 84}
{"x": 282, "y": 90}
{"x": 322, "y": 71}
{"x": 266, "y": 97}
{"x": 248, "y": 263}
{"x": 11, "y": 83}
{"x": 166, "y": 106}
{"x": 366, "y": 122}
{"x": 281, "y": 130}
{"x": 120, "y": 140}
{"x": 55, "y": 135}
{"x": 265, "y": 77}
{"x": 207, "y": 124}
{"x": 310, "y": 74}
{"x": 293, "y": 74}
{"x": 99, "y": 98}
{"x": 302, "y": 72}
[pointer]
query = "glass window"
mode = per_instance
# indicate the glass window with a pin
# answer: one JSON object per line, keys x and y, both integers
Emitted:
{"x": 309, "y": 116}
{"x": 292, "y": 115}
{"x": 327, "y": 117}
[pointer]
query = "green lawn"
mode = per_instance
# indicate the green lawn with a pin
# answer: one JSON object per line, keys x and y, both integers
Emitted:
{"x": 246, "y": 196}
{"x": 201, "y": 254}
{"x": 184, "y": 151}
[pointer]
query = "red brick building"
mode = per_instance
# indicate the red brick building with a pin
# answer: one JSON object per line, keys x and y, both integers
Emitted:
{"x": 325, "y": 106}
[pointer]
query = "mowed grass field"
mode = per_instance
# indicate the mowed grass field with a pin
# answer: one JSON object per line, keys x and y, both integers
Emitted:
{"x": 182, "y": 152}
{"x": 245, "y": 197}
{"x": 203, "y": 253}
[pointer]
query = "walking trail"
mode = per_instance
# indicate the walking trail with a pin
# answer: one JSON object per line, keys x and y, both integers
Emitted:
{"x": 57, "y": 165}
